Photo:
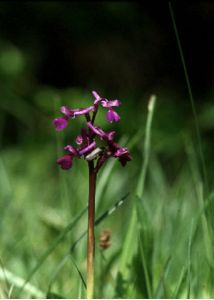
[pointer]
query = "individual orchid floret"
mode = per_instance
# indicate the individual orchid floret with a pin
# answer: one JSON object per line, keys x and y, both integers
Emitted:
{"x": 120, "y": 152}
{"x": 105, "y": 102}
{"x": 62, "y": 123}
{"x": 66, "y": 161}
{"x": 112, "y": 116}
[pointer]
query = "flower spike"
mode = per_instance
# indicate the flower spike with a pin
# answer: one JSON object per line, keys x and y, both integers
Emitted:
{"x": 86, "y": 141}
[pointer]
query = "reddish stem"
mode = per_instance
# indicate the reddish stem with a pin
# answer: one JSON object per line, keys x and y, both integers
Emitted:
{"x": 91, "y": 239}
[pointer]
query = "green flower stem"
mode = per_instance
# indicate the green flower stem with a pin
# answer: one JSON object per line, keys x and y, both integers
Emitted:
{"x": 91, "y": 240}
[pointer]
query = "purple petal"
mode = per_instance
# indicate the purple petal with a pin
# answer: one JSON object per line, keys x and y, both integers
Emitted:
{"x": 83, "y": 111}
{"x": 121, "y": 151}
{"x": 87, "y": 149}
{"x": 71, "y": 149}
{"x": 110, "y": 103}
{"x": 124, "y": 158}
{"x": 98, "y": 99}
{"x": 85, "y": 136}
{"x": 123, "y": 155}
{"x": 66, "y": 111}
{"x": 65, "y": 162}
{"x": 96, "y": 95}
{"x": 109, "y": 136}
{"x": 112, "y": 116}
{"x": 60, "y": 123}
{"x": 98, "y": 131}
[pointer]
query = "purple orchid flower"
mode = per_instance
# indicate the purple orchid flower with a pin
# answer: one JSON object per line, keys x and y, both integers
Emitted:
{"x": 95, "y": 156}
{"x": 86, "y": 140}
{"x": 62, "y": 123}
{"x": 123, "y": 155}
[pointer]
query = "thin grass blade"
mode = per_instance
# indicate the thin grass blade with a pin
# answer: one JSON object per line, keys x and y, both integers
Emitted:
{"x": 52, "y": 248}
{"x": 130, "y": 241}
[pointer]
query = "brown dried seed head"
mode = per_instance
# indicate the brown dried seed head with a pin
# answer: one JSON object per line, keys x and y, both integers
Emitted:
{"x": 105, "y": 236}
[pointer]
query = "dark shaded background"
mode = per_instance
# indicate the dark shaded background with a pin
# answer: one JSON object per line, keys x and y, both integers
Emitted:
{"x": 125, "y": 50}
{"x": 123, "y": 45}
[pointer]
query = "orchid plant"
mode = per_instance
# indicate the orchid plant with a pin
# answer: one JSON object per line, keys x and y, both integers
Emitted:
{"x": 87, "y": 147}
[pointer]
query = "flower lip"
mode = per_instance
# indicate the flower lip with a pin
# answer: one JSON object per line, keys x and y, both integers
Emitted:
{"x": 124, "y": 158}
{"x": 112, "y": 116}
{"x": 120, "y": 152}
{"x": 65, "y": 162}
{"x": 60, "y": 123}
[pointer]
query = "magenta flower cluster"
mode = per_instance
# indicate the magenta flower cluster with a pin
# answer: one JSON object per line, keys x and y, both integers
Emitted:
{"x": 91, "y": 136}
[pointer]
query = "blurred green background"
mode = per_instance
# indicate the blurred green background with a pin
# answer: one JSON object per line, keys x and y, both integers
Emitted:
{"x": 56, "y": 53}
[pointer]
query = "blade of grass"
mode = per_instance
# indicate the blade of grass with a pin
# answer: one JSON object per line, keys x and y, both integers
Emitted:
{"x": 146, "y": 150}
{"x": 145, "y": 237}
{"x": 67, "y": 255}
{"x": 145, "y": 268}
{"x": 198, "y": 187}
{"x": 100, "y": 219}
{"x": 130, "y": 240}
{"x": 4, "y": 273}
{"x": 79, "y": 272}
{"x": 52, "y": 248}
{"x": 104, "y": 179}
{"x": 196, "y": 122}
{"x": 19, "y": 282}
{"x": 160, "y": 291}
{"x": 108, "y": 170}
{"x": 181, "y": 279}
{"x": 60, "y": 266}
{"x": 189, "y": 262}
